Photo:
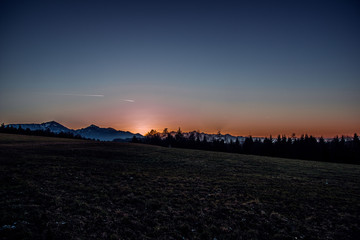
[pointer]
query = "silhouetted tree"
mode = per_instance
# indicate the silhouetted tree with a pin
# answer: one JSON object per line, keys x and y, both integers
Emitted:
{"x": 356, "y": 138}
{"x": 134, "y": 139}
{"x": 165, "y": 131}
{"x": 179, "y": 136}
{"x": 248, "y": 144}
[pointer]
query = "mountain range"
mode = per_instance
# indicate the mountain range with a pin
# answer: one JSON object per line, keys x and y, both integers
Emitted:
{"x": 92, "y": 131}
{"x": 111, "y": 134}
{"x": 208, "y": 136}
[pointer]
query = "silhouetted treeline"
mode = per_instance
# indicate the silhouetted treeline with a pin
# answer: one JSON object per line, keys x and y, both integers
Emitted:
{"x": 46, "y": 133}
{"x": 305, "y": 147}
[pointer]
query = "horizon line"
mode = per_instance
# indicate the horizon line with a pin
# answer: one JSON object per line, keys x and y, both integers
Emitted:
{"x": 274, "y": 136}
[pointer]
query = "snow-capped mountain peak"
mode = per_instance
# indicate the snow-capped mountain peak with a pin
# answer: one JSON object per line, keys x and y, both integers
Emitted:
{"x": 92, "y": 126}
{"x": 92, "y": 131}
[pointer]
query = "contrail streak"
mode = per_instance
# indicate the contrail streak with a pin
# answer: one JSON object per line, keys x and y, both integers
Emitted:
{"x": 79, "y": 95}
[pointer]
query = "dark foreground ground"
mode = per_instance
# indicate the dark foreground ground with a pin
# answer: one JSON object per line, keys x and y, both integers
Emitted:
{"x": 73, "y": 189}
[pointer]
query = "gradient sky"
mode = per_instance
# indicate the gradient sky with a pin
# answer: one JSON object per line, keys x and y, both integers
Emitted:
{"x": 242, "y": 67}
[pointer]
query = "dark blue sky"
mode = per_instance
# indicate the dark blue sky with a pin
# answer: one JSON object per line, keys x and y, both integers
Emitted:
{"x": 245, "y": 67}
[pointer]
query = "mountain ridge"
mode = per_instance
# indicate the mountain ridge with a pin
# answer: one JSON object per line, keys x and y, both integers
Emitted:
{"x": 92, "y": 131}
{"x": 110, "y": 134}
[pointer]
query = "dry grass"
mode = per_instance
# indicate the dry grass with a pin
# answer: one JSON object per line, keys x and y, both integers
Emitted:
{"x": 55, "y": 188}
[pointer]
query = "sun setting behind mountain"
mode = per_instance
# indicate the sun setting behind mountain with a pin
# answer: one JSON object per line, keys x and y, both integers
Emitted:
{"x": 240, "y": 68}
{"x": 179, "y": 119}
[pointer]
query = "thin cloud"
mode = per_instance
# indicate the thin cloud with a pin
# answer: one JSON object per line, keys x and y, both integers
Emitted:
{"x": 128, "y": 100}
{"x": 80, "y": 95}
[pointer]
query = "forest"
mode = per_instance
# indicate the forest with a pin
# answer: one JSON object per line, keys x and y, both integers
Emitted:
{"x": 306, "y": 147}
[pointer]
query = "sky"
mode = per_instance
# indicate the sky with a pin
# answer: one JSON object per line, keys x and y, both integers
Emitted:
{"x": 243, "y": 67}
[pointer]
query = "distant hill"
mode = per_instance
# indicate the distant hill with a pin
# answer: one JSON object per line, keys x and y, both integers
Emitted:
{"x": 92, "y": 131}
{"x": 105, "y": 134}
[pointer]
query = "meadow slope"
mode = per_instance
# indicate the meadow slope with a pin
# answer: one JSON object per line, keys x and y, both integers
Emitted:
{"x": 54, "y": 188}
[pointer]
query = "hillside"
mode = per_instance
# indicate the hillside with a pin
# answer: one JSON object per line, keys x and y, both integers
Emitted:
{"x": 75, "y": 189}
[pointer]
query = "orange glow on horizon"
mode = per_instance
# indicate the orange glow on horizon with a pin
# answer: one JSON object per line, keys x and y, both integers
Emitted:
{"x": 255, "y": 130}
{"x": 262, "y": 132}
{"x": 237, "y": 118}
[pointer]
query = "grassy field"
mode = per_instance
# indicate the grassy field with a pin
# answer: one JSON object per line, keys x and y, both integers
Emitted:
{"x": 55, "y": 188}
